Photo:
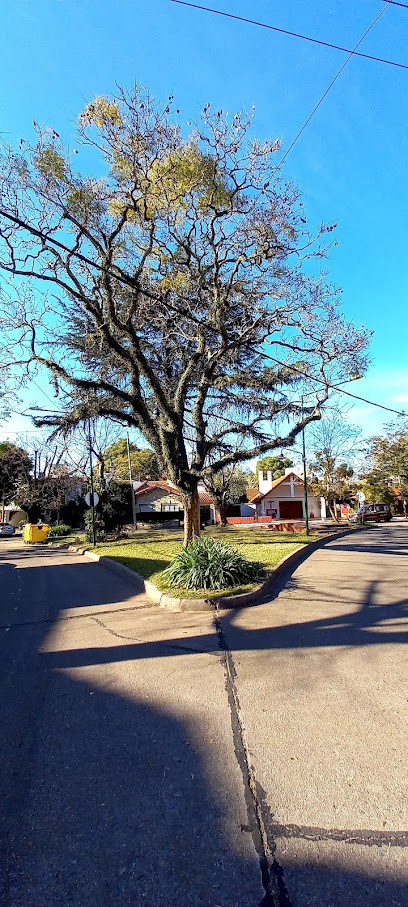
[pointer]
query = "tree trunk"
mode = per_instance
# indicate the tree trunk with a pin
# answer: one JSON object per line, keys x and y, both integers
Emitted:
{"x": 222, "y": 513}
{"x": 191, "y": 504}
{"x": 333, "y": 509}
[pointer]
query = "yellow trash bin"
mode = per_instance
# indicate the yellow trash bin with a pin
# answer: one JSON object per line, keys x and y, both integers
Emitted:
{"x": 35, "y": 533}
{"x": 27, "y": 532}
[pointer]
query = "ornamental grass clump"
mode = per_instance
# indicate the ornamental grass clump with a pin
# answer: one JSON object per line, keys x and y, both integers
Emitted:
{"x": 207, "y": 563}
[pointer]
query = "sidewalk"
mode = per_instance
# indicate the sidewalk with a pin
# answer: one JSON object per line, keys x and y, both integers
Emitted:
{"x": 321, "y": 679}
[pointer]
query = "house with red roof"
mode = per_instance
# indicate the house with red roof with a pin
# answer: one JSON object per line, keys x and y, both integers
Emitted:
{"x": 282, "y": 499}
{"x": 164, "y": 497}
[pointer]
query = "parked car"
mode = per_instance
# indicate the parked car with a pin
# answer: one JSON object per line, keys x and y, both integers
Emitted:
{"x": 7, "y": 529}
{"x": 372, "y": 513}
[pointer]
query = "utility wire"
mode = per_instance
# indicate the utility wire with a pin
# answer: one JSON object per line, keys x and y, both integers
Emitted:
{"x": 330, "y": 86}
{"x": 292, "y": 34}
{"x": 395, "y": 3}
{"x": 128, "y": 282}
{"x": 334, "y": 387}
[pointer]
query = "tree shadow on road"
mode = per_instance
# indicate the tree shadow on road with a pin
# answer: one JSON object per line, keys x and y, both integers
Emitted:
{"x": 110, "y": 800}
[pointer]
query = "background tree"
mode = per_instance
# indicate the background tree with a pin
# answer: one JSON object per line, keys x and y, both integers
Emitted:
{"x": 177, "y": 285}
{"x": 386, "y": 478}
{"x": 276, "y": 465}
{"x": 52, "y": 481}
{"x": 15, "y": 466}
{"x": 334, "y": 445}
{"x": 144, "y": 464}
{"x": 226, "y": 487}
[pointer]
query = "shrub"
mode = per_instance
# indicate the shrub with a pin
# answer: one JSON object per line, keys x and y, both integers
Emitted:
{"x": 207, "y": 563}
{"x": 58, "y": 531}
{"x": 99, "y": 527}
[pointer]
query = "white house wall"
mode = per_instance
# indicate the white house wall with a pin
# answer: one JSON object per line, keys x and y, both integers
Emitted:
{"x": 271, "y": 502}
{"x": 154, "y": 499}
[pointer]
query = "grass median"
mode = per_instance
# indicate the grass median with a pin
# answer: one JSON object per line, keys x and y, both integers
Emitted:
{"x": 151, "y": 553}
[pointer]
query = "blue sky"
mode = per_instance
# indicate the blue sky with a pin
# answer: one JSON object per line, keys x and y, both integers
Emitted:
{"x": 350, "y": 163}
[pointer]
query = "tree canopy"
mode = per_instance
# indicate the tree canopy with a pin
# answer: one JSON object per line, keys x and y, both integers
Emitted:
{"x": 334, "y": 444}
{"x": 274, "y": 464}
{"x": 176, "y": 285}
{"x": 15, "y": 466}
{"x": 386, "y": 478}
{"x": 144, "y": 464}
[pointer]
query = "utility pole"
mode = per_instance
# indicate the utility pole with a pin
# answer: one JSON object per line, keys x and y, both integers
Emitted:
{"x": 305, "y": 477}
{"x": 132, "y": 490}
{"x": 92, "y": 484}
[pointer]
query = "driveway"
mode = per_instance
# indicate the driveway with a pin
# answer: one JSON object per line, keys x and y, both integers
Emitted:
{"x": 322, "y": 690}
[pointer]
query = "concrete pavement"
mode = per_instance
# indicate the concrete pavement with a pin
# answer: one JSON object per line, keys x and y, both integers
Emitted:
{"x": 151, "y": 758}
{"x": 321, "y": 675}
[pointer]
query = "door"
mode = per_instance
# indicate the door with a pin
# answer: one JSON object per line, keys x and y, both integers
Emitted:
{"x": 291, "y": 510}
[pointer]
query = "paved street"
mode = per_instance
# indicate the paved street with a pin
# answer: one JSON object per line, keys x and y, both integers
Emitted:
{"x": 152, "y": 758}
{"x": 322, "y": 680}
{"x": 119, "y": 783}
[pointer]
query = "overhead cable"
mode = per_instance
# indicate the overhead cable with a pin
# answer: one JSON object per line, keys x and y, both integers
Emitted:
{"x": 330, "y": 86}
{"x": 292, "y": 34}
{"x": 334, "y": 387}
{"x": 128, "y": 282}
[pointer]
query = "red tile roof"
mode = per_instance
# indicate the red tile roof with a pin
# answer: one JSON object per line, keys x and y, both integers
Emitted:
{"x": 251, "y": 494}
{"x": 162, "y": 484}
{"x": 205, "y": 498}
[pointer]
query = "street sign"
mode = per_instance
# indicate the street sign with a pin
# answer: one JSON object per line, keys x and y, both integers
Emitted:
{"x": 91, "y": 500}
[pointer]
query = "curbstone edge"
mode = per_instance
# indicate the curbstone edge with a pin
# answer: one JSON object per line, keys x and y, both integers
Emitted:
{"x": 163, "y": 600}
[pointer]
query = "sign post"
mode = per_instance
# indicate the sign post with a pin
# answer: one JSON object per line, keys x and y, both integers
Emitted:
{"x": 92, "y": 495}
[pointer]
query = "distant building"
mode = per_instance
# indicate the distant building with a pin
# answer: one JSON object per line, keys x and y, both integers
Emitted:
{"x": 163, "y": 496}
{"x": 283, "y": 498}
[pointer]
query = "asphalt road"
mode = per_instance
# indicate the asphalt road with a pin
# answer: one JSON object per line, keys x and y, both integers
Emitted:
{"x": 322, "y": 682}
{"x": 119, "y": 785}
{"x": 150, "y": 758}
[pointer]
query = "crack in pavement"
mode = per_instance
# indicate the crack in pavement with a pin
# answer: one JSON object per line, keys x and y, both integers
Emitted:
{"x": 272, "y": 875}
{"x": 56, "y": 620}
{"x": 345, "y": 836}
{"x": 162, "y": 645}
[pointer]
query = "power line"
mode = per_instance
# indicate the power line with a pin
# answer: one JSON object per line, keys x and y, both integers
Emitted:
{"x": 330, "y": 86}
{"x": 395, "y": 3}
{"x": 121, "y": 279}
{"x": 20, "y": 431}
{"x": 292, "y": 34}
{"x": 334, "y": 387}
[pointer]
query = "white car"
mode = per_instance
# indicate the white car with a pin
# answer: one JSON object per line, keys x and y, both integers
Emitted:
{"x": 7, "y": 529}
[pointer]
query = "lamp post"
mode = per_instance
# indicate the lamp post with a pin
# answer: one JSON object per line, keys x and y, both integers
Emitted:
{"x": 132, "y": 490}
{"x": 92, "y": 484}
{"x": 305, "y": 478}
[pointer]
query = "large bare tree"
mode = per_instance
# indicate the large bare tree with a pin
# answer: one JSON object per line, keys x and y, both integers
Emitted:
{"x": 175, "y": 284}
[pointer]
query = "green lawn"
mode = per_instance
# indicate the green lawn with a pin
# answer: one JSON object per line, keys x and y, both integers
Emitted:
{"x": 153, "y": 551}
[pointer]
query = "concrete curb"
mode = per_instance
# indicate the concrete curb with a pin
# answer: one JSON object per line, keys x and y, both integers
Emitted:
{"x": 206, "y": 604}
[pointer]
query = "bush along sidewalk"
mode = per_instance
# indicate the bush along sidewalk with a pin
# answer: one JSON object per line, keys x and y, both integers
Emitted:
{"x": 56, "y": 532}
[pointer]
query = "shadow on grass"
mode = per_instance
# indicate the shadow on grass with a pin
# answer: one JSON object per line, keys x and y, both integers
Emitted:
{"x": 146, "y": 567}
